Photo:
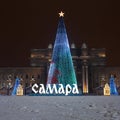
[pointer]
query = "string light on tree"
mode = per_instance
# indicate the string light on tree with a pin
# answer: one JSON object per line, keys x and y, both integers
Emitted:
{"x": 61, "y": 69}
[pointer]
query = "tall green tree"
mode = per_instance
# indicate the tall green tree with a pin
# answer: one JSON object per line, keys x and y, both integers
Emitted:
{"x": 61, "y": 69}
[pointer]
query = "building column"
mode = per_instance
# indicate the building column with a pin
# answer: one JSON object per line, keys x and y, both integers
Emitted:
{"x": 85, "y": 79}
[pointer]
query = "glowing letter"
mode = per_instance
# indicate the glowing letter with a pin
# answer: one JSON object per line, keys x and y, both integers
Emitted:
{"x": 51, "y": 88}
{"x": 42, "y": 89}
{"x": 61, "y": 89}
{"x": 75, "y": 89}
{"x": 34, "y": 87}
{"x": 68, "y": 89}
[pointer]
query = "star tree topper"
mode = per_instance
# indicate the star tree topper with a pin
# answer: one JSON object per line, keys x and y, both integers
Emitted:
{"x": 61, "y": 14}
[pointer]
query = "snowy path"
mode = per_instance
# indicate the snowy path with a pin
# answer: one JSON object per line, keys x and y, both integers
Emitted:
{"x": 59, "y": 108}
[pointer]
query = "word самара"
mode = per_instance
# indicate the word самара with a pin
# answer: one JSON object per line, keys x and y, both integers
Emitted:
{"x": 55, "y": 89}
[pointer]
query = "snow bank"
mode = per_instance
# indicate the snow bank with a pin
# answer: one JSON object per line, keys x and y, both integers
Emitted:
{"x": 59, "y": 108}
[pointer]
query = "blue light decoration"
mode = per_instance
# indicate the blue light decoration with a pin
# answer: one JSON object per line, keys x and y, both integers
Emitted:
{"x": 17, "y": 82}
{"x": 113, "y": 89}
{"x": 61, "y": 69}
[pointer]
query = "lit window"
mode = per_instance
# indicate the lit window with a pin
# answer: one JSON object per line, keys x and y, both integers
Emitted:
{"x": 102, "y": 55}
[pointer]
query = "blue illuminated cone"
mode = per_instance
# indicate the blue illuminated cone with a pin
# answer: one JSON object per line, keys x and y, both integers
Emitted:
{"x": 17, "y": 82}
{"x": 61, "y": 69}
{"x": 113, "y": 89}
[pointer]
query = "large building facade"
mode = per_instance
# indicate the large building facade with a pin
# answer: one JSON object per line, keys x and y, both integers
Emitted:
{"x": 89, "y": 64}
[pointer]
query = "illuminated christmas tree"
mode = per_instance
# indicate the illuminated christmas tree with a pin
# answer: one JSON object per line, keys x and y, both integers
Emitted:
{"x": 17, "y": 83}
{"x": 113, "y": 89}
{"x": 61, "y": 69}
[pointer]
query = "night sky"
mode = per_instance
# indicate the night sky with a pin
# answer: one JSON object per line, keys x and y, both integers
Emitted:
{"x": 28, "y": 24}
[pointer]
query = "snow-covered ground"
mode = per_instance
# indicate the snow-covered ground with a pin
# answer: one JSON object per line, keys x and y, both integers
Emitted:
{"x": 60, "y": 108}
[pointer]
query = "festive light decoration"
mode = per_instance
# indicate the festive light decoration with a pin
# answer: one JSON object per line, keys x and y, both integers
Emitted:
{"x": 113, "y": 89}
{"x": 107, "y": 89}
{"x": 19, "y": 90}
{"x": 61, "y": 69}
{"x": 61, "y": 14}
{"x": 17, "y": 83}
